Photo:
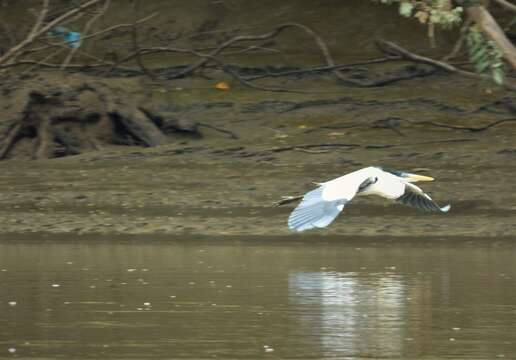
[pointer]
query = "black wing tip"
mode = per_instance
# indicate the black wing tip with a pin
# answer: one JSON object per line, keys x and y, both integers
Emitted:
{"x": 420, "y": 202}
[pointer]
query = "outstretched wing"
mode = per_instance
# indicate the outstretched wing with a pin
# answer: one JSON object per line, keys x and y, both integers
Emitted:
{"x": 314, "y": 211}
{"x": 321, "y": 206}
{"x": 415, "y": 197}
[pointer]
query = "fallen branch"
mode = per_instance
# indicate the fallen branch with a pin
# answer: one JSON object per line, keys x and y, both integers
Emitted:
{"x": 308, "y": 151}
{"x": 322, "y": 68}
{"x": 231, "y": 134}
{"x": 246, "y": 49}
{"x": 468, "y": 128}
{"x": 310, "y": 146}
{"x": 319, "y": 41}
{"x": 392, "y": 48}
{"x": 225, "y": 67}
{"x": 437, "y": 142}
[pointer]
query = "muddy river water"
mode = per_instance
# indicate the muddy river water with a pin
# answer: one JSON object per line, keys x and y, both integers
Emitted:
{"x": 142, "y": 299}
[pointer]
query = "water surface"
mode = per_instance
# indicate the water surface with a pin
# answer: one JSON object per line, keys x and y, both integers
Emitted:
{"x": 247, "y": 300}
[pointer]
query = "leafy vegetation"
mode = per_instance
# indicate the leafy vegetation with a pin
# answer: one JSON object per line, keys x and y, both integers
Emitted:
{"x": 484, "y": 53}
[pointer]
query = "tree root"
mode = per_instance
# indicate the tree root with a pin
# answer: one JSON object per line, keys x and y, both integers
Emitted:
{"x": 61, "y": 122}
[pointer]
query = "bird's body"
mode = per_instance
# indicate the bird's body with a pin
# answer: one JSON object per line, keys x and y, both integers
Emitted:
{"x": 321, "y": 206}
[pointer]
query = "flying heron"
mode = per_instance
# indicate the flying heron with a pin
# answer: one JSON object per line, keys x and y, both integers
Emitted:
{"x": 319, "y": 207}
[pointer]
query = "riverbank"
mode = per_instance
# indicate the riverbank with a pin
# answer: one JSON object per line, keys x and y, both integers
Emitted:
{"x": 221, "y": 185}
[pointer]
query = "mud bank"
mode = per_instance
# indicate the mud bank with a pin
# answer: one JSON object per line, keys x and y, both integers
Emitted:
{"x": 224, "y": 183}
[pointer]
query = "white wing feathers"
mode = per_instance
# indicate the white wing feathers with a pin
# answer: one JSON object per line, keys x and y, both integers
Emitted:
{"x": 321, "y": 206}
{"x": 314, "y": 211}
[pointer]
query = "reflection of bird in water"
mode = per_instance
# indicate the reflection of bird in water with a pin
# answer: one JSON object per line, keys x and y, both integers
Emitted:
{"x": 321, "y": 206}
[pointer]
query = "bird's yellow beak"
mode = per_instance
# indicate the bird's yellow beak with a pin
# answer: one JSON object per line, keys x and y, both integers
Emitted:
{"x": 415, "y": 178}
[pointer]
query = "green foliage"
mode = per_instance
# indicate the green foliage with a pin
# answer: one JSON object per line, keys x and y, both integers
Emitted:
{"x": 485, "y": 56}
{"x": 483, "y": 52}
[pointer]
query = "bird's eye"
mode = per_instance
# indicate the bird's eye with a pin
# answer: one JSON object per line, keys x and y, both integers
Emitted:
{"x": 375, "y": 179}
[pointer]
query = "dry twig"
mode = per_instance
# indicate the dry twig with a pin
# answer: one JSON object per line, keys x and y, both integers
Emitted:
{"x": 84, "y": 32}
{"x": 460, "y": 41}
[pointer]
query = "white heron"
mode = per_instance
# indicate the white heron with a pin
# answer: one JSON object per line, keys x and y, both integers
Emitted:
{"x": 319, "y": 207}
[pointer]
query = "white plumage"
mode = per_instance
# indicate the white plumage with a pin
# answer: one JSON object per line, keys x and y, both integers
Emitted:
{"x": 319, "y": 207}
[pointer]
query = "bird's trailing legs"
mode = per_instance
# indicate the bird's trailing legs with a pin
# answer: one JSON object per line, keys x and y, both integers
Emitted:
{"x": 288, "y": 199}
